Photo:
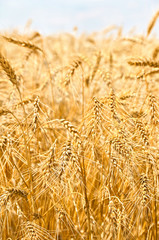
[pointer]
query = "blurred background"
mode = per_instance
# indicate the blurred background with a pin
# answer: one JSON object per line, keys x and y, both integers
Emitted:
{"x": 50, "y": 16}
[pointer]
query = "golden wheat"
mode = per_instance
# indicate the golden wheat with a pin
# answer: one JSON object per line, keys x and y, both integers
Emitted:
{"x": 79, "y": 156}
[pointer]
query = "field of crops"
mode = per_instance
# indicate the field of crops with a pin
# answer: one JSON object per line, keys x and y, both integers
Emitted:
{"x": 79, "y": 136}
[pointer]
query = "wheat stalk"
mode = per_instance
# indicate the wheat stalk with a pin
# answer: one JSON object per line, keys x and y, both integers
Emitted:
{"x": 152, "y": 23}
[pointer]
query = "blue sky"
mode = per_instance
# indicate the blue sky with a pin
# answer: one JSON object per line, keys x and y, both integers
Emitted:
{"x": 52, "y": 16}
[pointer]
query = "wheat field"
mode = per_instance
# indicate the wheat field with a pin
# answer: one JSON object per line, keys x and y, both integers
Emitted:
{"x": 79, "y": 152}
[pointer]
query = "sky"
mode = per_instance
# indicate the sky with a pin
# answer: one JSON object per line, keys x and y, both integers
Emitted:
{"x": 55, "y": 16}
